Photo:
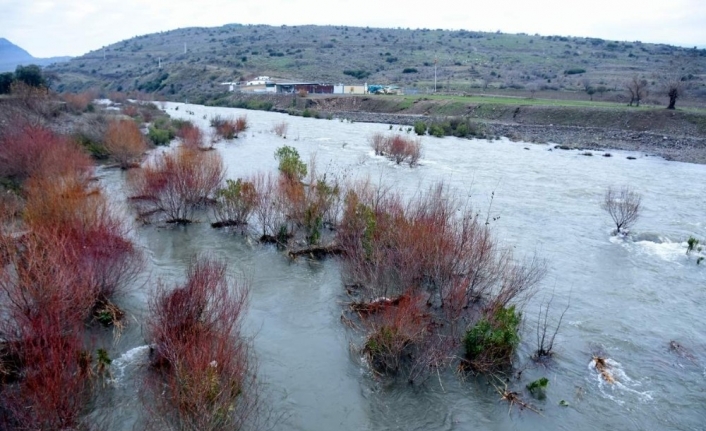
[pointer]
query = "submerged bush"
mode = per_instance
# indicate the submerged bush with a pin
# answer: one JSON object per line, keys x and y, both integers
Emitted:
{"x": 420, "y": 128}
{"x": 176, "y": 183}
{"x": 203, "y": 376}
{"x": 235, "y": 203}
{"x": 491, "y": 342}
{"x": 290, "y": 164}
{"x": 397, "y": 148}
{"x": 124, "y": 142}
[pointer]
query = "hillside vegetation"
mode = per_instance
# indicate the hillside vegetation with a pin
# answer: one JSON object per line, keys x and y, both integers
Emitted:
{"x": 194, "y": 61}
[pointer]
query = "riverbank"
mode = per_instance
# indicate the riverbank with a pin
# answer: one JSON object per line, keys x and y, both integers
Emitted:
{"x": 674, "y": 135}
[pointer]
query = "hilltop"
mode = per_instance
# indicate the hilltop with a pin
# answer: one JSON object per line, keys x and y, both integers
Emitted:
{"x": 192, "y": 62}
{"x": 12, "y": 56}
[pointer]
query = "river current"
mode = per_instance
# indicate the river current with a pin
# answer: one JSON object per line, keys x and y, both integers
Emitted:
{"x": 628, "y": 297}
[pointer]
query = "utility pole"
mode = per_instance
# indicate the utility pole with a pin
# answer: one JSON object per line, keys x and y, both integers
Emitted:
{"x": 434, "y": 74}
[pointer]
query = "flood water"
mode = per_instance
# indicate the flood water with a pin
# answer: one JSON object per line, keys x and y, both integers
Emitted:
{"x": 628, "y": 298}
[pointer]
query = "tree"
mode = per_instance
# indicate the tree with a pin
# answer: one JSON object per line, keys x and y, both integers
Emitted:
{"x": 675, "y": 81}
{"x": 588, "y": 88}
{"x": 623, "y": 205}
{"x": 30, "y": 75}
{"x": 6, "y": 82}
{"x": 290, "y": 164}
{"x": 638, "y": 90}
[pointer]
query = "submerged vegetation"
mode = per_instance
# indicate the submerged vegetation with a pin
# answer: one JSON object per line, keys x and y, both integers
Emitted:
{"x": 430, "y": 286}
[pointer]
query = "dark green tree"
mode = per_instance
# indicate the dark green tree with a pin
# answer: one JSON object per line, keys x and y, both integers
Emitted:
{"x": 31, "y": 75}
{"x": 6, "y": 81}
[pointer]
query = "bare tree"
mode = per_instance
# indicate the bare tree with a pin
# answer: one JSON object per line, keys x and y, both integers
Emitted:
{"x": 675, "y": 80}
{"x": 588, "y": 87}
{"x": 545, "y": 334}
{"x": 638, "y": 90}
{"x": 623, "y": 205}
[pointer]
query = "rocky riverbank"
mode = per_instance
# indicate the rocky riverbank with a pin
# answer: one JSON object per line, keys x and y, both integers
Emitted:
{"x": 688, "y": 149}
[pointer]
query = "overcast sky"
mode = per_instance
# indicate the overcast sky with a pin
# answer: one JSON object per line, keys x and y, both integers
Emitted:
{"x": 74, "y": 27}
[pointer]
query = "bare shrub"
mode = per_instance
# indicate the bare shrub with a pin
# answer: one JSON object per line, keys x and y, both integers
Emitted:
{"x": 379, "y": 144}
{"x": 78, "y": 214}
{"x": 545, "y": 334}
{"x": 80, "y": 102}
{"x": 435, "y": 245}
{"x": 53, "y": 388}
{"x": 280, "y": 129}
{"x": 268, "y": 210}
{"x": 28, "y": 149}
{"x": 205, "y": 376}
{"x": 176, "y": 183}
{"x": 192, "y": 136}
{"x": 397, "y": 148}
{"x": 623, "y": 206}
{"x": 125, "y": 143}
{"x": 396, "y": 329}
{"x": 228, "y": 128}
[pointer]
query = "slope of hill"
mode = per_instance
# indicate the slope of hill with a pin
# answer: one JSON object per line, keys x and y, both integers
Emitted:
{"x": 12, "y": 56}
{"x": 192, "y": 62}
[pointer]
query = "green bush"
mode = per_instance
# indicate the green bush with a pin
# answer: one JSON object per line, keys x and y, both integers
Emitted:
{"x": 159, "y": 136}
{"x": 290, "y": 163}
{"x": 491, "y": 342}
{"x": 575, "y": 71}
{"x": 437, "y": 130}
{"x": 359, "y": 74}
{"x": 409, "y": 70}
{"x": 420, "y": 128}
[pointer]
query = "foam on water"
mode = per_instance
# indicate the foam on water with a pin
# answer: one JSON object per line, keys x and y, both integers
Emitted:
{"x": 622, "y": 387}
{"x": 133, "y": 357}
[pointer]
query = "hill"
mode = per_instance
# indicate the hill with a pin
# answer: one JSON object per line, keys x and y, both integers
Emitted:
{"x": 12, "y": 56}
{"x": 192, "y": 62}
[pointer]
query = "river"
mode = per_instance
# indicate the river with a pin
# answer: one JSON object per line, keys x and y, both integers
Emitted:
{"x": 628, "y": 297}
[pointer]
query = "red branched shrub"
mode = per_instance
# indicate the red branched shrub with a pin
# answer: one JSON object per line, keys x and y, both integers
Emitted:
{"x": 200, "y": 358}
{"x": 125, "y": 143}
{"x": 53, "y": 386}
{"x": 191, "y": 136}
{"x": 396, "y": 330}
{"x": 434, "y": 245}
{"x": 118, "y": 97}
{"x": 178, "y": 182}
{"x": 228, "y": 128}
{"x": 42, "y": 279}
{"x": 397, "y": 148}
{"x": 32, "y": 150}
{"x": 280, "y": 129}
{"x": 130, "y": 110}
{"x": 79, "y": 214}
{"x": 78, "y": 103}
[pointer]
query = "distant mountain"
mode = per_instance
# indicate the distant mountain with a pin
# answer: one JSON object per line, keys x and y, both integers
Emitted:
{"x": 194, "y": 63}
{"x": 12, "y": 56}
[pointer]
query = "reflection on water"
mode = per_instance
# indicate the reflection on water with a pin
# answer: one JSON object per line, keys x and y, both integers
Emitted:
{"x": 629, "y": 296}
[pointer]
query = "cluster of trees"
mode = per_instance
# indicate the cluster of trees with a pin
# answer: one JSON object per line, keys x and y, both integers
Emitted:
{"x": 31, "y": 75}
